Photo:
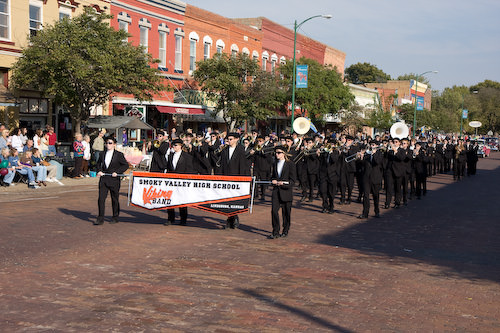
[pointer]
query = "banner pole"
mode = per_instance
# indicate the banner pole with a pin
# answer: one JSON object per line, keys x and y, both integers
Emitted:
{"x": 251, "y": 198}
{"x": 129, "y": 184}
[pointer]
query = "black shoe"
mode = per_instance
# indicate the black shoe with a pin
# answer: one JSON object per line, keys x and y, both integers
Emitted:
{"x": 387, "y": 206}
{"x": 228, "y": 225}
{"x": 362, "y": 216}
{"x": 331, "y": 211}
{"x": 396, "y": 206}
{"x": 405, "y": 203}
{"x": 183, "y": 222}
{"x": 236, "y": 222}
{"x": 114, "y": 220}
{"x": 324, "y": 210}
{"x": 273, "y": 236}
{"x": 284, "y": 235}
{"x": 348, "y": 202}
{"x": 377, "y": 215}
{"x": 303, "y": 199}
{"x": 342, "y": 202}
{"x": 168, "y": 222}
{"x": 99, "y": 221}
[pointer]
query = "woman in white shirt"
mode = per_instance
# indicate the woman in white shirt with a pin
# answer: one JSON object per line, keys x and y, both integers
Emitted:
{"x": 37, "y": 138}
{"x": 86, "y": 155}
{"x": 44, "y": 144}
{"x": 16, "y": 140}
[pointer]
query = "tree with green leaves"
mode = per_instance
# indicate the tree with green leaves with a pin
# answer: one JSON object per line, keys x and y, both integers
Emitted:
{"x": 81, "y": 62}
{"x": 325, "y": 92}
{"x": 238, "y": 87}
{"x": 365, "y": 73}
{"x": 379, "y": 118}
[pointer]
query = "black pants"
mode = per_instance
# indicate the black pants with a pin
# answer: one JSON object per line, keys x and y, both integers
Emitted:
{"x": 398, "y": 184}
{"x": 421, "y": 181}
{"x": 286, "y": 210}
{"x": 389, "y": 188}
{"x": 111, "y": 185}
{"x": 346, "y": 180}
{"x": 328, "y": 190}
{"x": 312, "y": 179}
{"x": 374, "y": 189}
{"x": 183, "y": 212}
{"x": 78, "y": 166}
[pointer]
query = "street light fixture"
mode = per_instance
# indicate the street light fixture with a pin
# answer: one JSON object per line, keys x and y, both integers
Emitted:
{"x": 295, "y": 27}
{"x": 416, "y": 98}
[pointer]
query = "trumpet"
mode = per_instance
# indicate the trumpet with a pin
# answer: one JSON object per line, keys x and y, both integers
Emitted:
{"x": 220, "y": 148}
{"x": 156, "y": 144}
{"x": 354, "y": 157}
{"x": 196, "y": 143}
{"x": 263, "y": 149}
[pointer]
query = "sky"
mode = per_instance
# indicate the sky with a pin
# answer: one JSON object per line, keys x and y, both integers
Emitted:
{"x": 460, "y": 39}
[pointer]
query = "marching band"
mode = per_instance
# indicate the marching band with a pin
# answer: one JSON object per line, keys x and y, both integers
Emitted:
{"x": 320, "y": 167}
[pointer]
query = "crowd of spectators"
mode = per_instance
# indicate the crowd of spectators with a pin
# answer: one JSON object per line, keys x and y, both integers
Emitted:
{"x": 24, "y": 159}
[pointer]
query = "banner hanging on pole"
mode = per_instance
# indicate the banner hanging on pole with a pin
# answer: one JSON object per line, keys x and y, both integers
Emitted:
{"x": 301, "y": 76}
{"x": 465, "y": 113}
{"x": 226, "y": 195}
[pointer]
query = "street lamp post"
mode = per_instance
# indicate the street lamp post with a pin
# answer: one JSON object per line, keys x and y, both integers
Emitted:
{"x": 295, "y": 27}
{"x": 416, "y": 98}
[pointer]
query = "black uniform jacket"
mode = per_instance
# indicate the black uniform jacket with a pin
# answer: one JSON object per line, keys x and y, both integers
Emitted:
{"x": 118, "y": 163}
{"x": 288, "y": 174}
{"x": 236, "y": 166}
{"x": 184, "y": 164}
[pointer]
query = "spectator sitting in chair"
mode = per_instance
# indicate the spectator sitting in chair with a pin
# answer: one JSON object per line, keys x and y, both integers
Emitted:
{"x": 9, "y": 177}
{"x": 51, "y": 169}
{"x": 41, "y": 171}
{"x": 15, "y": 166}
{"x": 28, "y": 146}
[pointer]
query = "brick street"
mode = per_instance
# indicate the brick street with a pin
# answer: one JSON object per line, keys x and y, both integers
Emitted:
{"x": 431, "y": 266}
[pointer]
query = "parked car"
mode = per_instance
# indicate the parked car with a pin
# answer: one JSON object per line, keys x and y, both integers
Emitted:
{"x": 492, "y": 143}
{"x": 483, "y": 150}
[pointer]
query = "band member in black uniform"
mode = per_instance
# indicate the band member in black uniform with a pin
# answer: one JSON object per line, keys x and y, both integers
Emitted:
{"x": 283, "y": 179}
{"x": 431, "y": 156}
{"x": 111, "y": 164}
{"x": 372, "y": 179}
{"x": 471, "y": 152}
{"x": 198, "y": 150}
{"x": 262, "y": 161}
{"x": 311, "y": 168}
{"x": 213, "y": 147}
{"x": 348, "y": 169}
{"x": 178, "y": 161}
{"x": 233, "y": 162}
{"x": 460, "y": 160}
{"x": 329, "y": 173}
{"x": 420, "y": 162}
{"x": 398, "y": 155}
{"x": 388, "y": 176}
{"x": 439, "y": 157}
{"x": 158, "y": 161}
{"x": 405, "y": 143}
{"x": 449, "y": 149}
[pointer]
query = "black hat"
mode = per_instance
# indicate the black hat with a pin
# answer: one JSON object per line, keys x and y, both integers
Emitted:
{"x": 308, "y": 139}
{"x": 288, "y": 138}
{"x": 177, "y": 141}
{"x": 349, "y": 137}
{"x": 405, "y": 139}
{"x": 260, "y": 137}
{"x": 214, "y": 133}
{"x": 280, "y": 147}
{"x": 420, "y": 143}
{"x": 233, "y": 134}
{"x": 374, "y": 142}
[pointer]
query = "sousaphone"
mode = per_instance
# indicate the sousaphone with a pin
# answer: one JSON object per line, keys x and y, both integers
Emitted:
{"x": 301, "y": 125}
{"x": 399, "y": 130}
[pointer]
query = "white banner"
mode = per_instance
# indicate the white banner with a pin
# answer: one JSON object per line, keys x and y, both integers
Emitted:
{"x": 225, "y": 195}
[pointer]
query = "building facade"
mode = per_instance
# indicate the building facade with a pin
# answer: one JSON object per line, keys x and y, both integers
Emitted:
{"x": 20, "y": 19}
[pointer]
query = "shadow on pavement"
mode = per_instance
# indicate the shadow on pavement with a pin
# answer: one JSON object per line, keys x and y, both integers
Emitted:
{"x": 455, "y": 227}
{"x": 295, "y": 311}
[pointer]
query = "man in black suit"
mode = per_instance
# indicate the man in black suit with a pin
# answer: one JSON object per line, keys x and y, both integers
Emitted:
{"x": 283, "y": 177}
{"x": 158, "y": 161}
{"x": 372, "y": 179}
{"x": 420, "y": 161}
{"x": 233, "y": 163}
{"x": 329, "y": 173}
{"x": 178, "y": 161}
{"x": 347, "y": 170}
{"x": 398, "y": 155}
{"x": 111, "y": 164}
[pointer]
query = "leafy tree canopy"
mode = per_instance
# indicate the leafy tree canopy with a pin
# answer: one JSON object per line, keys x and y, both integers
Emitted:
{"x": 238, "y": 87}
{"x": 413, "y": 76}
{"x": 325, "y": 92}
{"x": 365, "y": 73}
{"x": 82, "y": 61}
